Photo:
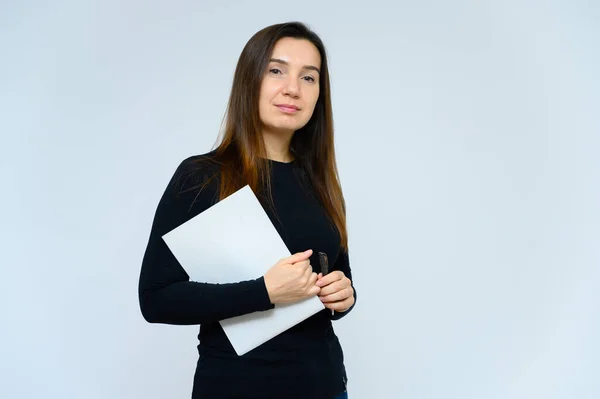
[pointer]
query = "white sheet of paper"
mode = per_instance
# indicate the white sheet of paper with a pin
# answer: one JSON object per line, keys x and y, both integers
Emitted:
{"x": 234, "y": 240}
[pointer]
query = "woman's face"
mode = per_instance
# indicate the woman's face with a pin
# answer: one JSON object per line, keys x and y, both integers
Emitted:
{"x": 291, "y": 79}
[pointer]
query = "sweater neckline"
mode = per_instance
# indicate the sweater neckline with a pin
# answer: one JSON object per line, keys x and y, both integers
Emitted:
{"x": 281, "y": 163}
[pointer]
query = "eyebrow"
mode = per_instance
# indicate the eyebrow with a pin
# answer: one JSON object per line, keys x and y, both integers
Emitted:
{"x": 280, "y": 61}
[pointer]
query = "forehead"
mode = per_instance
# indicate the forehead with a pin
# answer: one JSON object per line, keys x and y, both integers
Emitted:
{"x": 298, "y": 52}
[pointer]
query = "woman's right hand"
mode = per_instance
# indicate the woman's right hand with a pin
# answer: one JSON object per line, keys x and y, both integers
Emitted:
{"x": 291, "y": 279}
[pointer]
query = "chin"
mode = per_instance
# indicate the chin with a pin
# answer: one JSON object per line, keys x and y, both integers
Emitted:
{"x": 284, "y": 127}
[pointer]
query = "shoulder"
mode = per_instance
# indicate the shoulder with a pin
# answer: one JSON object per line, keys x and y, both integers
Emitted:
{"x": 192, "y": 188}
{"x": 194, "y": 183}
{"x": 206, "y": 162}
{"x": 195, "y": 170}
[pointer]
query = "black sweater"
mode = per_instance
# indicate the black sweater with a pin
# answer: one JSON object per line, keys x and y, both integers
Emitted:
{"x": 305, "y": 361}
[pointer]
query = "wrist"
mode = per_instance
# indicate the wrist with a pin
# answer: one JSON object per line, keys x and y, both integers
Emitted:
{"x": 268, "y": 295}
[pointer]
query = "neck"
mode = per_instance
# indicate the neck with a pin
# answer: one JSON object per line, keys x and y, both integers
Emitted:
{"x": 277, "y": 145}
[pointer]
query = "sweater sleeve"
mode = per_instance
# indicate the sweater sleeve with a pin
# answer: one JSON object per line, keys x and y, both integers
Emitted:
{"x": 166, "y": 294}
{"x": 343, "y": 263}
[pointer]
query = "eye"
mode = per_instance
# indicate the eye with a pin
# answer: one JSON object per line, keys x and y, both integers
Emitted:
{"x": 309, "y": 78}
{"x": 274, "y": 71}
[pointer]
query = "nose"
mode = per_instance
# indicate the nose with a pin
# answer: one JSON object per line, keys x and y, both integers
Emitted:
{"x": 291, "y": 88}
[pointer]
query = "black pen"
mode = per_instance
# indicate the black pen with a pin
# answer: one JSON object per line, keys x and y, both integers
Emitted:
{"x": 324, "y": 262}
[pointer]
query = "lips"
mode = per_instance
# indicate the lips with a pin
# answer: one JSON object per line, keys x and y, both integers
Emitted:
{"x": 287, "y": 107}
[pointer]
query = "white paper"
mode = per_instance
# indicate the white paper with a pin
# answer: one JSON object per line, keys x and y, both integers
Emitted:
{"x": 234, "y": 240}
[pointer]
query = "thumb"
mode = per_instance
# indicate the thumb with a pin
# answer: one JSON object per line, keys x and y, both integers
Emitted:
{"x": 299, "y": 256}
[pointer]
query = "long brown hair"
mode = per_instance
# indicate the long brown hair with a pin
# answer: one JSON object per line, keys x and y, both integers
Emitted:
{"x": 242, "y": 154}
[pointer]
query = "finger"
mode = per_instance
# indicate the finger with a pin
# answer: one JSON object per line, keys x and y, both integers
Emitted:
{"x": 313, "y": 291}
{"x": 330, "y": 278}
{"x": 298, "y": 257}
{"x": 335, "y": 287}
{"x": 340, "y": 306}
{"x": 320, "y": 275}
{"x": 303, "y": 265}
{"x": 306, "y": 273}
{"x": 312, "y": 280}
{"x": 336, "y": 296}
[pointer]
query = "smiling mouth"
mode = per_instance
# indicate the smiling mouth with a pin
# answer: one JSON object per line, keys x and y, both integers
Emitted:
{"x": 287, "y": 109}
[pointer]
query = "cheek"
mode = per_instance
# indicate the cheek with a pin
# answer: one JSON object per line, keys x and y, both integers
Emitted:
{"x": 314, "y": 98}
{"x": 266, "y": 98}
{"x": 268, "y": 91}
{"x": 264, "y": 101}
{"x": 265, "y": 89}
{"x": 313, "y": 102}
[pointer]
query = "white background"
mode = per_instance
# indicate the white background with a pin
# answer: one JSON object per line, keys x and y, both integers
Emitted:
{"x": 467, "y": 137}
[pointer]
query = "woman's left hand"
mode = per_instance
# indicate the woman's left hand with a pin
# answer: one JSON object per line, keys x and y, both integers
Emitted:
{"x": 336, "y": 291}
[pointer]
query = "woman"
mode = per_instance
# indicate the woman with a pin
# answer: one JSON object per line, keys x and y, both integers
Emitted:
{"x": 278, "y": 138}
